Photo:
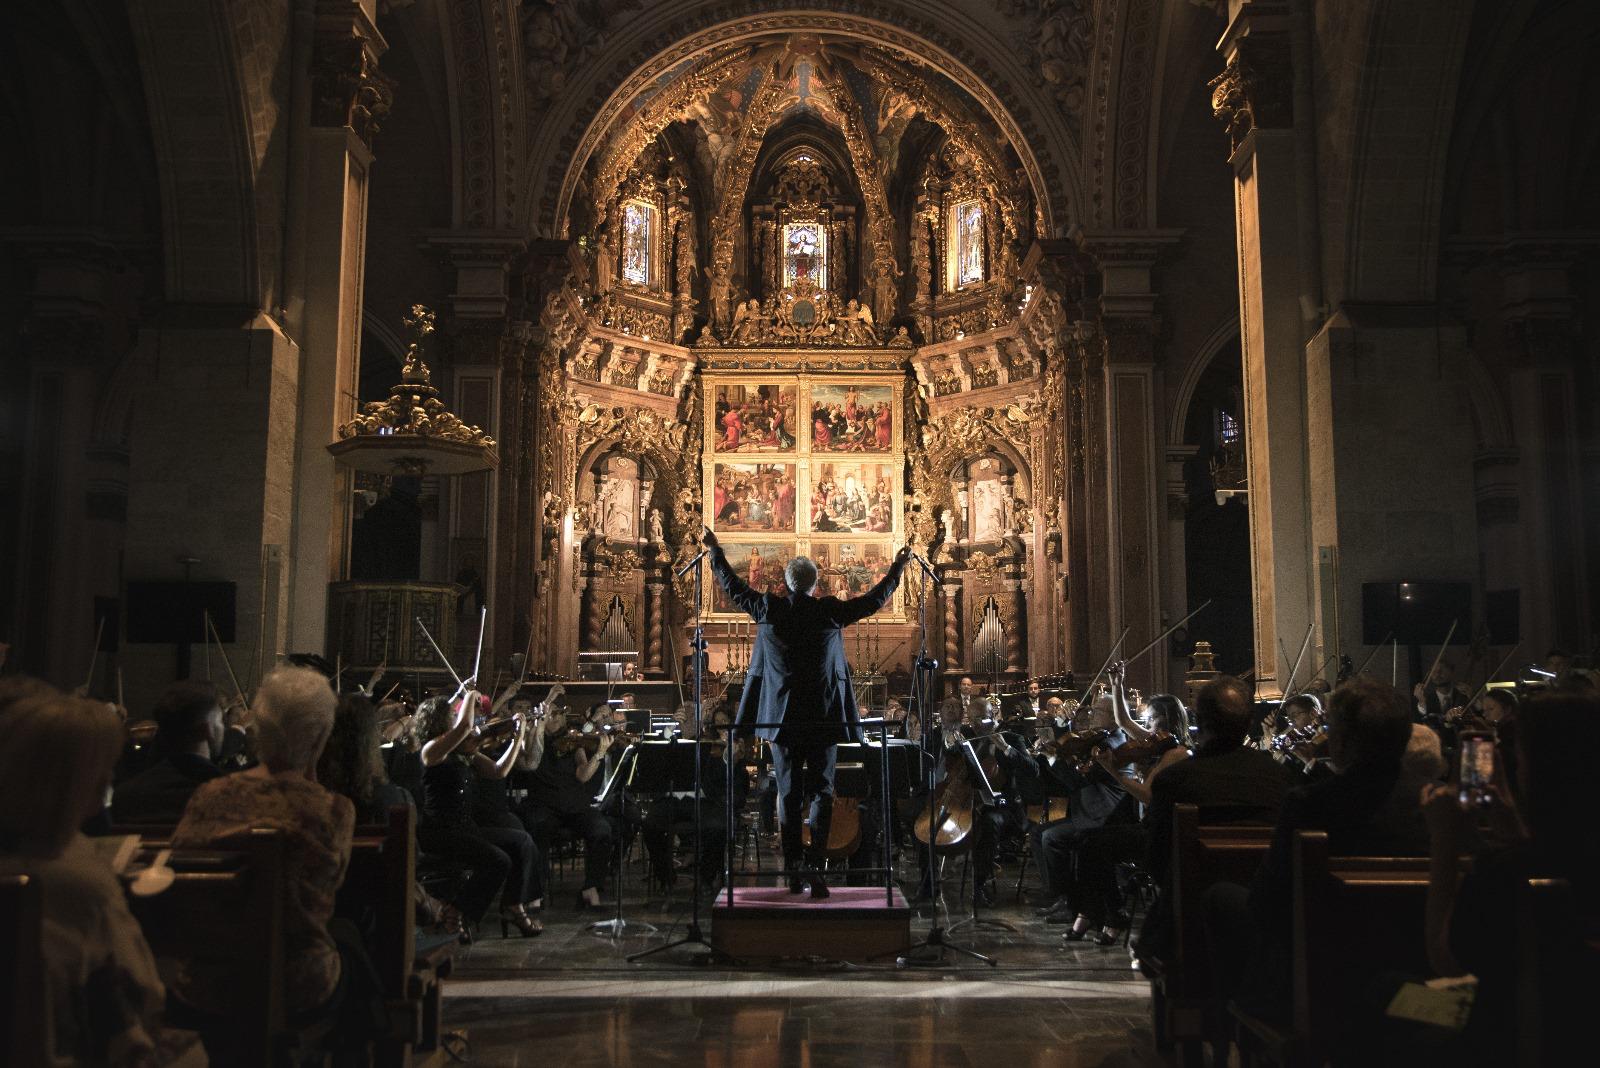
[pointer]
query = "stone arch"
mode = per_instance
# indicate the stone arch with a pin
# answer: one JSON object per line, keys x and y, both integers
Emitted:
{"x": 970, "y": 59}
{"x": 212, "y": 75}
{"x": 1396, "y": 126}
{"x": 1225, "y": 331}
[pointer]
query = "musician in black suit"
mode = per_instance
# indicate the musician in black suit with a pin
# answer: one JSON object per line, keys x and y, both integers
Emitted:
{"x": 798, "y": 687}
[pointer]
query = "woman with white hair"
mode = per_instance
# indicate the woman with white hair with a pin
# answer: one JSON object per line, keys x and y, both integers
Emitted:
{"x": 105, "y": 996}
{"x": 292, "y": 716}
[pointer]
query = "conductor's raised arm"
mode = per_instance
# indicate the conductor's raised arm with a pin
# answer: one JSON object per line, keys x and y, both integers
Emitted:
{"x": 738, "y": 590}
{"x": 859, "y": 608}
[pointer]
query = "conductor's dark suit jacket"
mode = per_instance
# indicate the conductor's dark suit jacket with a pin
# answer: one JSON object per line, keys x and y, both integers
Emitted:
{"x": 798, "y": 676}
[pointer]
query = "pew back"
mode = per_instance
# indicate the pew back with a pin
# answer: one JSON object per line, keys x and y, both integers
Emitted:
{"x": 26, "y": 1033}
{"x": 229, "y": 922}
{"x": 1354, "y": 918}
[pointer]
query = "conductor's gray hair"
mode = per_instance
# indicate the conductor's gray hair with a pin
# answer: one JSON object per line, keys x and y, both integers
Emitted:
{"x": 801, "y": 574}
{"x": 293, "y": 716}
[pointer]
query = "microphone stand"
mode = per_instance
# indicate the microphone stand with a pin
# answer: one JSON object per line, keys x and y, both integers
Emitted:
{"x": 693, "y": 935}
{"x": 922, "y": 697}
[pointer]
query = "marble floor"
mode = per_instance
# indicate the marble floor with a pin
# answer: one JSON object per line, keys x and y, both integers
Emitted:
{"x": 570, "y": 997}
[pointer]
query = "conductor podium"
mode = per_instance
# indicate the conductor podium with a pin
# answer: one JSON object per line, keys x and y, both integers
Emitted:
{"x": 854, "y": 923}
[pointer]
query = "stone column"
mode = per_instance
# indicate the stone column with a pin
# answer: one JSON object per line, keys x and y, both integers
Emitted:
{"x": 1253, "y": 97}
{"x": 486, "y": 351}
{"x": 1175, "y": 577}
{"x": 1128, "y": 508}
{"x": 329, "y": 215}
{"x": 953, "y": 658}
{"x": 214, "y": 442}
{"x": 1542, "y": 342}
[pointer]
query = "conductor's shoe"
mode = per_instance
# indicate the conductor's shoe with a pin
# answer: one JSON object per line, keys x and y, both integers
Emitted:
{"x": 819, "y": 886}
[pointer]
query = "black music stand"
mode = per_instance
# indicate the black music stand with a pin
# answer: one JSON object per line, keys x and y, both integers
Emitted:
{"x": 693, "y": 935}
{"x": 922, "y": 697}
{"x": 621, "y": 778}
{"x": 973, "y": 920}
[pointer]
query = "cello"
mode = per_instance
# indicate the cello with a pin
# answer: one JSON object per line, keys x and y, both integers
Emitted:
{"x": 953, "y": 808}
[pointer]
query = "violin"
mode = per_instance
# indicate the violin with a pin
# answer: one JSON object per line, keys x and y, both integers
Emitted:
{"x": 1145, "y": 749}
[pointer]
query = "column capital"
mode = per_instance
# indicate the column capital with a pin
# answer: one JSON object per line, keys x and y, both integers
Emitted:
{"x": 347, "y": 89}
{"x": 483, "y": 261}
{"x": 1126, "y": 260}
{"x": 1255, "y": 91}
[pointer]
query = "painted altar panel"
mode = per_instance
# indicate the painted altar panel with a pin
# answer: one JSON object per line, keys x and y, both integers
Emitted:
{"x": 830, "y": 486}
{"x": 753, "y": 417}
{"x": 853, "y": 418}
{"x": 753, "y": 498}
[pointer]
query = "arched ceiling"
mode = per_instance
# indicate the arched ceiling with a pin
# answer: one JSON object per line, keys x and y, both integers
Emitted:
{"x": 735, "y": 95}
{"x": 594, "y": 74}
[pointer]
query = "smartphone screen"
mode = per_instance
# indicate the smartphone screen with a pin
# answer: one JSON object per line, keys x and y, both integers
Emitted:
{"x": 1477, "y": 768}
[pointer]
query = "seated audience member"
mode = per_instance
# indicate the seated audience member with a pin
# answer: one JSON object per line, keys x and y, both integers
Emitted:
{"x": 352, "y": 762}
{"x": 327, "y": 971}
{"x": 105, "y": 996}
{"x": 500, "y": 861}
{"x": 1228, "y": 781}
{"x": 15, "y": 689}
{"x": 1546, "y": 830}
{"x": 1362, "y": 808}
{"x": 189, "y": 738}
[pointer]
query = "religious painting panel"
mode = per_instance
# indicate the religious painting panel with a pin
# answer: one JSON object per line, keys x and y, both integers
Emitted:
{"x": 852, "y": 418}
{"x": 753, "y": 417}
{"x": 760, "y": 564}
{"x": 853, "y": 497}
{"x": 753, "y": 498}
{"x": 850, "y": 568}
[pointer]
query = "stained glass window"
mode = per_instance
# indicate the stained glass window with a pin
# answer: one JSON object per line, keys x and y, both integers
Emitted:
{"x": 968, "y": 242}
{"x": 638, "y": 234}
{"x": 805, "y": 254}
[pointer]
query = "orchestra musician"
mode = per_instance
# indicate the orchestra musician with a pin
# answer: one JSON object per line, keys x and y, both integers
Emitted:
{"x": 1029, "y": 705}
{"x": 797, "y": 688}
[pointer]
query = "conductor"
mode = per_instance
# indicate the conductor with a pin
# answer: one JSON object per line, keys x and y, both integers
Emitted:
{"x": 797, "y": 688}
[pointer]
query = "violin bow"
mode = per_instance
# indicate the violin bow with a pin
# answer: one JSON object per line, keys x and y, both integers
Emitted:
{"x": 1491, "y": 676}
{"x": 460, "y": 686}
{"x": 1087, "y": 690}
{"x": 1159, "y": 638}
{"x": 1372, "y": 654}
{"x": 94, "y": 655}
{"x": 237, "y": 689}
{"x": 1295, "y": 669}
{"x": 1454, "y": 623}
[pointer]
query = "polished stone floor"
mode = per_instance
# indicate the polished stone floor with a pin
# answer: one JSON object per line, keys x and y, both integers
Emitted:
{"x": 570, "y": 997}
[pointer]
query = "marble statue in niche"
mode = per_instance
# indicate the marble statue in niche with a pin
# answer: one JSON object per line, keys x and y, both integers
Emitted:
{"x": 616, "y": 499}
{"x": 991, "y": 505}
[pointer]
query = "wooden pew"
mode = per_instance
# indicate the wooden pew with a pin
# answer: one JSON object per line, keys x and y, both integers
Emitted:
{"x": 1184, "y": 1003}
{"x": 1353, "y": 918}
{"x": 231, "y": 919}
{"x": 26, "y": 1027}
{"x": 377, "y": 892}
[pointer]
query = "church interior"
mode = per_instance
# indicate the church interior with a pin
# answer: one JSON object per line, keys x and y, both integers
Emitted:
{"x": 390, "y": 380}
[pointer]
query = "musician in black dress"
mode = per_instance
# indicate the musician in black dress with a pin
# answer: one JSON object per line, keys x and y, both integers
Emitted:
{"x": 496, "y": 858}
{"x": 798, "y": 687}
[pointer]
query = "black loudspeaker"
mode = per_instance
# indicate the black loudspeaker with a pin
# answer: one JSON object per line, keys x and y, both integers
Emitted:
{"x": 174, "y": 612}
{"x": 1415, "y": 613}
{"x": 1502, "y": 612}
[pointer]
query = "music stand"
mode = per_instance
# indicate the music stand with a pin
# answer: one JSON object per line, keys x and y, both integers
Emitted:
{"x": 974, "y": 920}
{"x": 694, "y": 936}
{"x": 621, "y": 777}
{"x": 922, "y": 679}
